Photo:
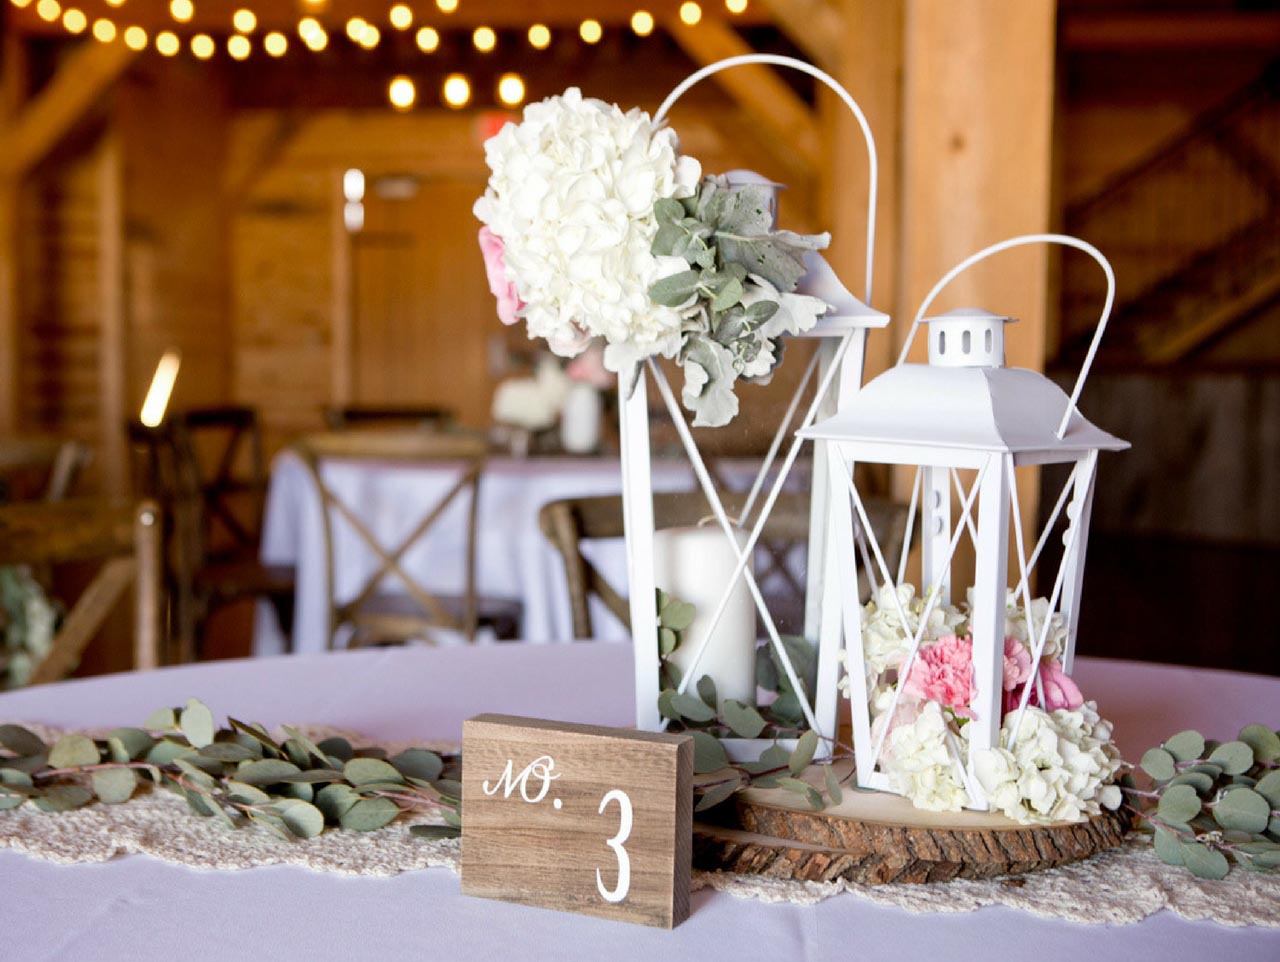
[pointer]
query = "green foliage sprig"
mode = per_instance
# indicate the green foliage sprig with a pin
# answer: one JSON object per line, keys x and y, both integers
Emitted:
{"x": 239, "y": 774}
{"x": 1212, "y": 802}
{"x": 716, "y": 776}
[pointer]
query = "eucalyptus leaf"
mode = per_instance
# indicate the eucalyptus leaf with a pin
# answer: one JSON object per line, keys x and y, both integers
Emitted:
{"x": 1234, "y": 757}
{"x": 1269, "y": 787}
{"x": 1185, "y": 746}
{"x": 258, "y": 734}
{"x": 195, "y": 775}
{"x": 1264, "y": 742}
{"x": 452, "y": 818}
{"x": 833, "y": 784}
{"x": 678, "y": 615}
{"x": 1203, "y": 861}
{"x": 707, "y": 691}
{"x": 303, "y": 819}
{"x": 21, "y": 741}
{"x": 1243, "y": 810}
{"x": 433, "y": 831}
{"x": 226, "y": 752}
{"x": 245, "y": 794}
{"x": 1179, "y": 803}
{"x": 716, "y": 794}
{"x": 161, "y": 720}
{"x": 265, "y": 771}
{"x": 73, "y": 751}
{"x": 63, "y": 798}
{"x": 15, "y": 777}
{"x": 338, "y": 748}
{"x": 667, "y": 704}
{"x": 114, "y": 785}
{"x": 369, "y": 814}
{"x": 775, "y": 756}
{"x": 358, "y": 771}
{"x": 803, "y": 753}
{"x": 196, "y": 723}
{"x": 743, "y": 720}
{"x": 271, "y": 822}
{"x": 708, "y": 754}
{"x": 418, "y": 763}
{"x": 675, "y": 289}
{"x": 165, "y": 751}
{"x": 692, "y": 708}
{"x": 449, "y": 788}
{"x": 668, "y": 641}
{"x": 1201, "y": 782}
{"x": 335, "y": 800}
{"x": 9, "y": 802}
{"x": 1167, "y": 846}
{"x": 1158, "y": 763}
{"x": 803, "y": 788}
{"x": 135, "y": 741}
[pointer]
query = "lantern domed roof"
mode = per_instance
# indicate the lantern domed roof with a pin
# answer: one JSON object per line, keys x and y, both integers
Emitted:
{"x": 998, "y": 409}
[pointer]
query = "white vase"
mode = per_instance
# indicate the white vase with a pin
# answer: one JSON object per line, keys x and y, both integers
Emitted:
{"x": 580, "y": 419}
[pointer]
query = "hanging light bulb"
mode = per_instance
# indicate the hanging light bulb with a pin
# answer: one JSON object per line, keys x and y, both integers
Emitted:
{"x": 736, "y": 6}
{"x": 401, "y": 17}
{"x": 447, "y": 6}
{"x": 511, "y": 89}
{"x": 484, "y": 39}
{"x": 21, "y": 4}
{"x": 74, "y": 21}
{"x": 642, "y": 23}
{"x": 244, "y": 20}
{"x": 238, "y": 47}
{"x": 182, "y": 10}
{"x": 49, "y": 10}
{"x": 402, "y": 93}
{"x": 104, "y": 30}
{"x": 275, "y": 43}
{"x": 316, "y": 40}
{"x": 355, "y": 29}
{"x": 428, "y": 39}
{"x": 590, "y": 31}
{"x": 370, "y": 36}
{"x": 135, "y": 38}
{"x": 457, "y": 90}
{"x": 690, "y": 13}
{"x": 202, "y": 46}
{"x": 539, "y": 36}
{"x": 167, "y": 43}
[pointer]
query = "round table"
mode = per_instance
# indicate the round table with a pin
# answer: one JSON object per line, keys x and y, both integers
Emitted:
{"x": 136, "y": 907}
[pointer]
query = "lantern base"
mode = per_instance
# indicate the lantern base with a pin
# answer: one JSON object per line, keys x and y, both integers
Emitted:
{"x": 876, "y": 837}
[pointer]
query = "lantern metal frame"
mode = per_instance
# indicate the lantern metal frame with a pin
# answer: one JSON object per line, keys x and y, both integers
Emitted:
{"x": 995, "y": 493}
{"x": 838, "y": 366}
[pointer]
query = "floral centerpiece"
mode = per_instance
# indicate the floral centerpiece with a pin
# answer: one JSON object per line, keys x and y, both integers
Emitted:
{"x": 596, "y": 228}
{"x": 1062, "y": 763}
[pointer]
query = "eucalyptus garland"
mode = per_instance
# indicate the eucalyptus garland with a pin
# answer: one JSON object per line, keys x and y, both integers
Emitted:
{"x": 240, "y": 774}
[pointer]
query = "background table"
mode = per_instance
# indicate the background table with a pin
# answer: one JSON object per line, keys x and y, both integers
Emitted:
{"x": 136, "y": 907}
{"x": 513, "y": 559}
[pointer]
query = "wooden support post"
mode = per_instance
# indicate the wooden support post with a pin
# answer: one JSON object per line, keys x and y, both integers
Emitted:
{"x": 113, "y": 347}
{"x": 342, "y": 358}
{"x": 9, "y": 308}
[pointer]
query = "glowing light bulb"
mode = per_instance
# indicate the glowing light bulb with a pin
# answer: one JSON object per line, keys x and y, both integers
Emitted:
{"x": 74, "y": 21}
{"x": 539, "y": 36}
{"x": 369, "y": 37}
{"x": 690, "y": 13}
{"x": 316, "y": 40}
{"x": 239, "y": 47}
{"x": 511, "y": 89}
{"x": 484, "y": 39}
{"x": 428, "y": 39}
{"x": 104, "y": 30}
{"x": 49, "y": 10}
{"x": 21, "y": 4}
{"x": 308, "y": 26}
{"x": 244, "y": 20}
{"x": 401, "y": 17}
{"x": 182, "y": 10}
{"x": 353, "y": 183}
{"x": 202, "y": 46}
{"x": 590, "y": 31}
{"x": 355, "y": 29}
{"x": 167, "y": 43}
{"x": 115, "y": 3}
{"x": 736, "y": 6}
{"x": 135, "y": 38}
{"x": 275, "y": 43}
{"x": 158, "y": 394}
{"x": 457, "y": 90}
{"x": 642, "y": 23}
{"x": 402, "y": 93}
{"x": 447, "y": 6}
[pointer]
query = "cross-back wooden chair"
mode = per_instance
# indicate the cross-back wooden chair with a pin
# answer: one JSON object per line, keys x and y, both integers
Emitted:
{"x": 206, "y": 468}
{"x": 568, "y": 522}
{"x": 53, "y": 464}
{"x": 398, "y": 417}
{"x": 124, "y": 536}
{"x": 375, "y": 615}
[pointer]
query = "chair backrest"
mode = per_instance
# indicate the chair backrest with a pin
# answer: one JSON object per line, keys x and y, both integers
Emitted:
{"x": 568, "y": 522}
{"x": 124, "y": 536}
{"x": 57, "y": 462}
{"x": 426, "y": 611}
{"x": 365, "y": 416}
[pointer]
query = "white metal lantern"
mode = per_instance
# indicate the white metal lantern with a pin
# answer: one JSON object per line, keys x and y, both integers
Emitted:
{"x": 964, "y": 410}
{"x": 837, "y": 368}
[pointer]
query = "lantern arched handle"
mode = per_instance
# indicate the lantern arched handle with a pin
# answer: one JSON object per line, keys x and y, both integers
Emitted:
{"x": 873, "y": 176}
{"x": 1066, "y": 240}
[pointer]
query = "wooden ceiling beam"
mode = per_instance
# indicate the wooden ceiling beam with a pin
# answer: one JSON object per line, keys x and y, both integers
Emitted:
{"x": 1224, "y": 30}
{"x": 815, "y": 26}
{"x": 782, "y": 114}
{"x": 87, "y": 73}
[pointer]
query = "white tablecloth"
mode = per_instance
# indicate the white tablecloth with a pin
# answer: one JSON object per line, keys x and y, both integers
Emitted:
{"x": 139, "y": 908}
{"x": 513, "y": 559}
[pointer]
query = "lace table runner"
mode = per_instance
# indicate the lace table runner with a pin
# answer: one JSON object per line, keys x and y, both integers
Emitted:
{"x": 1122, "y": 885}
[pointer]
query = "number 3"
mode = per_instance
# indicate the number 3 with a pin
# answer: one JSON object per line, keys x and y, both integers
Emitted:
{"x": 624, "y": 861}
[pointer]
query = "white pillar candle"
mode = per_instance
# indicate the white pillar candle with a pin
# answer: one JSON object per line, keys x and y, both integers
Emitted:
{"x": 694, "y": 565}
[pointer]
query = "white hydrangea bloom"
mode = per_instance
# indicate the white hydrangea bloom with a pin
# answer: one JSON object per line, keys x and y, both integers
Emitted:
{"x": 919, "y": 763}
{"x": 886, "y": 641}
{"x": 1016, "y": 624}
{"x": 571, "y": 197}
{"x": 1059, "y": 770}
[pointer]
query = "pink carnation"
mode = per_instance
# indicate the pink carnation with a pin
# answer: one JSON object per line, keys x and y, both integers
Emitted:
{"x": 588, "y": 367}
{"x": 495, "y": 266}
{"x": 1017, "y": 663}
{"x": 1059, "y": 690}
{"x": 943, "y": 672}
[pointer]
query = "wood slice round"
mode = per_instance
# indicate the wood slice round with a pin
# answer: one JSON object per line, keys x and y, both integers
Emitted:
{"x": 876, "y": 837}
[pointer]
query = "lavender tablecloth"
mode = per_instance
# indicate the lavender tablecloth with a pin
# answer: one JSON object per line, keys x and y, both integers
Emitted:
{"x": 135, "y": 907}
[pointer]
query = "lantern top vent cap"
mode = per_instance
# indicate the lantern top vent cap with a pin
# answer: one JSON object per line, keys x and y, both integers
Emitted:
{"x": 967, "y": 337}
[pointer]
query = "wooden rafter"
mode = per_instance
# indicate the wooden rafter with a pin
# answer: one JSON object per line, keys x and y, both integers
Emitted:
{"x": 777, "y": 107}
{"x": 815, "y": 26}
{"x": 87, "y": 73}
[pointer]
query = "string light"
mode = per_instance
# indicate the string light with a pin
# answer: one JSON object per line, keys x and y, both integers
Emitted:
{"x": 401, "y": 17}
{"x": 539, "y": 36}
{"x": 316, "y": 40}
{"x": 642, "y": 23}
{"x": 239, "y": 47}
{"x": 690, "y": 13}
{"x": 115, "y": 3}
{"x": 167, "y": 43}
{"x": 590, "y": 31}
{"x": 135, "y": 38}
{"x": 244, "y": 20}
{"x": 308, "y": 25}
{"x": 353, "y": 183}
{"x": 447, "y": 6}
{"x": 457, "y": 90}
{"x": 104, "y": 30}
{"x": 74, "y": 20}
{"x": 182, "y": 10}
{"x": 428, "y": 39}
{"x": 484, "y": 39}
{"x": 511, "y": 89}
{"x": 402, "y": 93}
{"x": 49, "y": 10}
{"x": 736, "y": 6}
{"x": 275, "y": 43}
{"x": 21, "y": 4}
{"x": 355, "y": 29}
{"x": 202, "y": 46}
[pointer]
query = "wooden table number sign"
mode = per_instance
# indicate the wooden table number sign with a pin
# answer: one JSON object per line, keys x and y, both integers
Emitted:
{"x": 578, "y": 818}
